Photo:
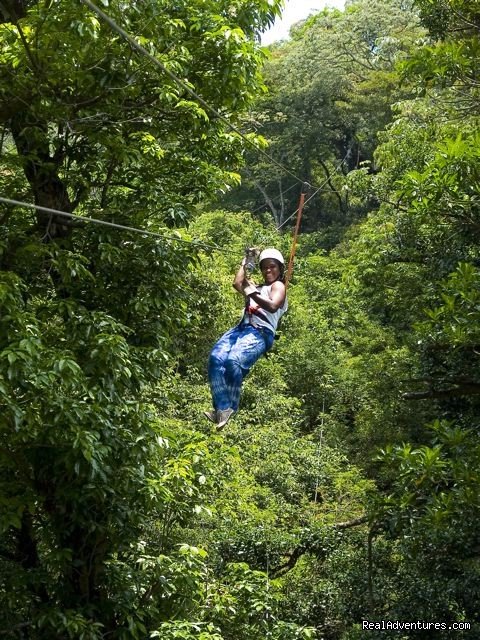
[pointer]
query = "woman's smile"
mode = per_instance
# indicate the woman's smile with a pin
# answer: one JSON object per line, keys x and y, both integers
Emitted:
{"x": 270, "y": 270}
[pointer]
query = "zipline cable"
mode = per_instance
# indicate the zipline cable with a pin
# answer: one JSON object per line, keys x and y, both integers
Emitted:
{"x": 136, "y": 45}
{"x": 114, "y": 225}
{"x": 299, "y": 211}
{"x": 122, "y": 227}
{"x": 337, "y": 169}
{"x": 281, "y": 196}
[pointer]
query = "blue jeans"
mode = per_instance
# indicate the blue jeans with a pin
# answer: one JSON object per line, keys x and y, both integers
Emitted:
{"x": 230, "y": 361}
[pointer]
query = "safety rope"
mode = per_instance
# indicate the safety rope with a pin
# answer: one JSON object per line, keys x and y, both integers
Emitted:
{"x": 295, "y": 234}
{"x": 299, "y": 211}
{"x": 319, "y": 452}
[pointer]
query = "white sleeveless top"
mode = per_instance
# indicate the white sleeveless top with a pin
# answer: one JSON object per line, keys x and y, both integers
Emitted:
{"x": 255, "y": 315}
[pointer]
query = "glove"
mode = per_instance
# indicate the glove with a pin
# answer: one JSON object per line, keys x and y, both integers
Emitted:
{"x": 249, "y": 289}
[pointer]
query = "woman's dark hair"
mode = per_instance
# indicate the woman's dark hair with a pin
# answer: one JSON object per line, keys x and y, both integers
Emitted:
{"x": 282, "y": 272}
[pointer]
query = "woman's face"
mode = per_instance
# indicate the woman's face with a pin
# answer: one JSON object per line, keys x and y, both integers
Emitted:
{"x": 270, "y": 270}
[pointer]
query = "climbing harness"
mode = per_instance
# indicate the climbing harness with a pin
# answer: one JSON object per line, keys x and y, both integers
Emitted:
{"x": 249, "y": 319}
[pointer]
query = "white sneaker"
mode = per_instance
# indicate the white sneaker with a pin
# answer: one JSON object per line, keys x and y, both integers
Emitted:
{"x": 211, "y": 415}
{"x": 223, "y": 417}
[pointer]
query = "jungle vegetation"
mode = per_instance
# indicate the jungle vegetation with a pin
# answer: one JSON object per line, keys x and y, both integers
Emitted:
{"x": 347, "y": 487}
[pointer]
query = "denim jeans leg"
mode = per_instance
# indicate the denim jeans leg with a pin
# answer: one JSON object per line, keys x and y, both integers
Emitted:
{"x": 216, "y": 369}
{"x": 247, "y": 349}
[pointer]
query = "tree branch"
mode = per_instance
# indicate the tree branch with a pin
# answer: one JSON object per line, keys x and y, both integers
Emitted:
{"x": 462, "y": 389}
{"x": 268, "y": 200}
{"x": 306, "y": 547}
{"x": 16, "y": 627}
{"x": 106, "y": 184}
{"x": 330, "y": 184}
{"x": 26, "y": 46}
{"x": 12, "y": 10}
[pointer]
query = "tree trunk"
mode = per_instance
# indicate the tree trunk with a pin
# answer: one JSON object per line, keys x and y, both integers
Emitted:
{"x": 41, "y": 171}
{"x": 12, "y": 10}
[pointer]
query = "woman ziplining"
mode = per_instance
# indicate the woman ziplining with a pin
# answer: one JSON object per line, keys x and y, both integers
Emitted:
{"x": 239, "y": 348}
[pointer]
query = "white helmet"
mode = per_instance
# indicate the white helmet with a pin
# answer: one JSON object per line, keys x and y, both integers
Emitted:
{"x": 271, "y": 253}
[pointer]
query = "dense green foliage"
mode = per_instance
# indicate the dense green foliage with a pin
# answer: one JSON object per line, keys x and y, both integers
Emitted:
{"x": 346, "y": 488}
{"x": 332, "y": 87}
